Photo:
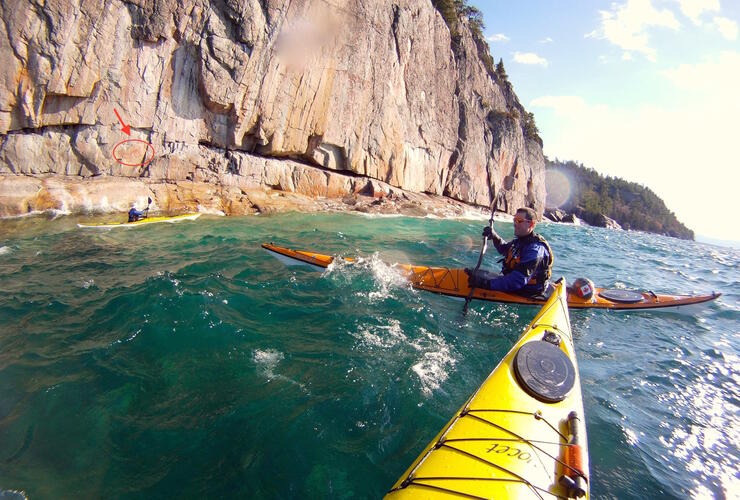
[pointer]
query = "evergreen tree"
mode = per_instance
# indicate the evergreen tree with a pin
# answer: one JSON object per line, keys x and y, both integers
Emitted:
{"x": 631, "y": 205}
{"x": 500, "y": 71}
{"x": 448, "y": 9}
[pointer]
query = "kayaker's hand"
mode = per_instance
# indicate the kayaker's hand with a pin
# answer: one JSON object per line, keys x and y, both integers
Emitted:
{"x": 488, "y": 232}
{"x": 475, "y": 280}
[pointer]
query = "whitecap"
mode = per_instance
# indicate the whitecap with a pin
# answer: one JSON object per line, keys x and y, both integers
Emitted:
{"x": 383, "y": 336}
{"x": 267, "y": 360}
{"x": 379, "y": 215}
{"x": 435, "y": 363}
{"x": 387, "y": 278}
{"x": 5, "y": 250}
{"x": 432, "y": 369}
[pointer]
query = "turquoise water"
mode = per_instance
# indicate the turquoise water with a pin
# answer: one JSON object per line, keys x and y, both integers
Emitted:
{"x": 182, "y": 360}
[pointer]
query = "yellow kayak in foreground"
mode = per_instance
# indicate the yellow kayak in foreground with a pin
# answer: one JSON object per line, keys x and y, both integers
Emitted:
{"x": 522, "y": 433}
{"x": 142, "y": 222}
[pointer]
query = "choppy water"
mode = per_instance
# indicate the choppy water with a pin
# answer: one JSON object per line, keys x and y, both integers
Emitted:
{"x": 183, "y": 360}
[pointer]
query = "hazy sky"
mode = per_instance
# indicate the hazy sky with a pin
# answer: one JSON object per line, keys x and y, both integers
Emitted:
{"x": 645, "y": 90}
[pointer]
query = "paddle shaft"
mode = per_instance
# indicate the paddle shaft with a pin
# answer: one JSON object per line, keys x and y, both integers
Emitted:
{"x": 483, "y": 249}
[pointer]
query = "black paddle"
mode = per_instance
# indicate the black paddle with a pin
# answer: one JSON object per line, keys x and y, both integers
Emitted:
{"x": 147, "y": 207}
{"x": 480, "y": 258}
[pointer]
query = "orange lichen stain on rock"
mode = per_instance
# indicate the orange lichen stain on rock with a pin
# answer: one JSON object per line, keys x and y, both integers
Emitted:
{"x": 133, "y": 152}
{"x": 41, "y": 201}
{"x": 22, "y": 77}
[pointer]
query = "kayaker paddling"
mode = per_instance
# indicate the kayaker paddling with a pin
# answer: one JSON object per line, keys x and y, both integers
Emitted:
{"x": 135, "y": 215}
{"x": 527, "y": 263}
{"x": 454, "y": 283}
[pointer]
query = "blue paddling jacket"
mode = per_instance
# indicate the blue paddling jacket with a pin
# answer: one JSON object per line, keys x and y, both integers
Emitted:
{"x": 134, "y": 215}
{"x": 527, "y": 265}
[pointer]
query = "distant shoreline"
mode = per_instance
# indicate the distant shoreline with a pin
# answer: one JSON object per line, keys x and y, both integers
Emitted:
{"x": 718, "y": 242}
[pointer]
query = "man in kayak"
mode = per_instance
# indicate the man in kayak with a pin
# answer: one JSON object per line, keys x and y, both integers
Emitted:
{"x": 527, "y": 262}
{"x": 134, "y": 215}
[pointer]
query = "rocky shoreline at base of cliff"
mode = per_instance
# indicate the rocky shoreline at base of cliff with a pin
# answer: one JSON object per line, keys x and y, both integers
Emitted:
{"x": 26, "y": 195}
{"x": 21, "y": 196}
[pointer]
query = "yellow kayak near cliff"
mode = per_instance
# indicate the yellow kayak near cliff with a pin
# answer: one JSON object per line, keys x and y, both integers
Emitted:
{"x": 522, "y": 433}
{"x": 142, "y": 222}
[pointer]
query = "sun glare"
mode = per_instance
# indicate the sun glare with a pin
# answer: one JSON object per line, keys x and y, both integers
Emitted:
{"x": 558, "y": 188}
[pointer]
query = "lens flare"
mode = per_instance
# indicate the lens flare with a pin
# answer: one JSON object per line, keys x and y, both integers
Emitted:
{"x": 558, "y": 188}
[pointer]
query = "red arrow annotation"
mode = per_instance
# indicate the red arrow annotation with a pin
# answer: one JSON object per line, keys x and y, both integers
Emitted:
{"x": 126, "y": 129}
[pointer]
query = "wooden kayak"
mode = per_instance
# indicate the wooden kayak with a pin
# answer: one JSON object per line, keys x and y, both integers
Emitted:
{"x": 454, "y": 283}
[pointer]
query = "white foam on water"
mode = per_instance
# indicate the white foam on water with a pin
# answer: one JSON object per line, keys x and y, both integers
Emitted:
{"x": 13, "y": 494}
{"x": 5, "y": 250}
{"x": 435, "y": 363}
{"x": 383, "y": 336}
{"x": 88, "y": 283}
{"x": 434, "y": 358}
{"x": 128, "y": 339}
{"x": 58, "y": 213}
{"x": 210, "y": 211}
{"x": 267, "y": 360}
{"x": 387, "y": 277}
{"x": 380, "y": 216}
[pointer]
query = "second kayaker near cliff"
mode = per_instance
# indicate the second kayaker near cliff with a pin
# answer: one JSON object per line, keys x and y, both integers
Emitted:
{"x": 527, "y": 263}
{"x": 134, "y": 215}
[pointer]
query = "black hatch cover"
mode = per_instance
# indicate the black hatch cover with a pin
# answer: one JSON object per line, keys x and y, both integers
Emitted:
{"x": 624, "y": 296}
{"x": 544, "y": 371}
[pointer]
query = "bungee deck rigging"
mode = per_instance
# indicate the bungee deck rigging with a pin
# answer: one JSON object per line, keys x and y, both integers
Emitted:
{"x": 506, "y": 441}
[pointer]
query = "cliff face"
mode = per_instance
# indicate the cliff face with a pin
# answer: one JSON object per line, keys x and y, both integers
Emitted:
{"x": 321, "y": 98}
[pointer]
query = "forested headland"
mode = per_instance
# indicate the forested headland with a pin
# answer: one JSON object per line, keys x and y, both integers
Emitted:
{"x": 592, "y": 195}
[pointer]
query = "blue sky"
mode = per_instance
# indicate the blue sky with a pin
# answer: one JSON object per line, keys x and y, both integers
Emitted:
{"x": 645, "y": 90}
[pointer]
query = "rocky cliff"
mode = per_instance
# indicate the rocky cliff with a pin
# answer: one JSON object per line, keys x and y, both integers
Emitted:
{"x": 228, "y": 98}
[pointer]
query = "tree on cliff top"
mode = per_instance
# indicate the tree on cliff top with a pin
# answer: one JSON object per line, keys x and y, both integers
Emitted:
{"x": 449, "y": 11}
{"x": 500, "y": 71}
{"x": 452, "y": 11}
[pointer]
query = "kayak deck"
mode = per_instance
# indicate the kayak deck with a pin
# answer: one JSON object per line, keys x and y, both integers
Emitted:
{"x": 143, "y": 222}
{"x": 507, "y": 441}
{"x": 454, "y": 282}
